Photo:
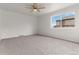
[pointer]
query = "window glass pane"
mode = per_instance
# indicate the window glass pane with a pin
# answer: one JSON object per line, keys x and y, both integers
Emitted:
{"x": 58, "y": 19}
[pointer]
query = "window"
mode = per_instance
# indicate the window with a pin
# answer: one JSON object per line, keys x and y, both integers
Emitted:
{"x": 63, "y": 20}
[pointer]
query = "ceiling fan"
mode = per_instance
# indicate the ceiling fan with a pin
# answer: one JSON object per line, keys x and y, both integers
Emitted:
{"x": 35, "y": 7}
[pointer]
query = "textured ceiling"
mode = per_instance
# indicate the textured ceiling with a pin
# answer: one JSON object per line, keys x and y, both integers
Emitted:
{"x": 21, "y": 7}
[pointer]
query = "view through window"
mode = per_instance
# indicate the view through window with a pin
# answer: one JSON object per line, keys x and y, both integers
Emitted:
{"x": 63, "y": 20}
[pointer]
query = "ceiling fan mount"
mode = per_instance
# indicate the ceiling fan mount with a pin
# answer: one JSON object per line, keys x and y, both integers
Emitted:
{"x": 36, "y": 7}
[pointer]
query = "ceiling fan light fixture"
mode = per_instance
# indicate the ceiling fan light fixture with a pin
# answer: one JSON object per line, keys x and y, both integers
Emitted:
{"x": 35, "y": 10}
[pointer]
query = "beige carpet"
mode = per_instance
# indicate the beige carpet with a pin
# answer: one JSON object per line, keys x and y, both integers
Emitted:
{"x": 37, "y": 45}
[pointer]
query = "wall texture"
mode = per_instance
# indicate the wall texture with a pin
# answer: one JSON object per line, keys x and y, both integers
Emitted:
{"x": 72, "y": 33}
{"x": 14, "y": 24}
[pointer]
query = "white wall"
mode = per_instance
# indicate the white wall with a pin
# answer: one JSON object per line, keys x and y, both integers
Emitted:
{"x": 15, "y": 24}
{"x": 44, "y": 26}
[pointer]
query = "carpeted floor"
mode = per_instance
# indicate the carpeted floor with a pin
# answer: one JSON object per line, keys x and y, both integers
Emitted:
{"x": 37, "y": 45}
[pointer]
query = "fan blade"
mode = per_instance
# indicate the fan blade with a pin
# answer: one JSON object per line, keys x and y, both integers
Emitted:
{"x": 38, "y": 10}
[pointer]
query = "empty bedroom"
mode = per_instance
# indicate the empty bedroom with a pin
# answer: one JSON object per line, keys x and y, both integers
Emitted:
{"x": 39, "y": 29}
